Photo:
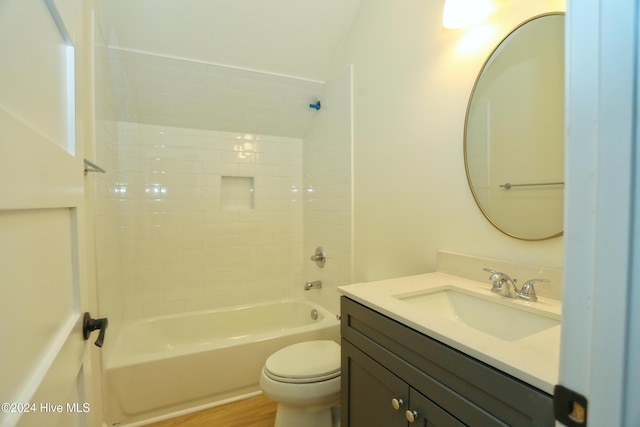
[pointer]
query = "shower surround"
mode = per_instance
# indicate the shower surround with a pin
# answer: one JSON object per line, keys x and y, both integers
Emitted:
{"x": 196, "y": 213}
{"x": 191, "y": 236}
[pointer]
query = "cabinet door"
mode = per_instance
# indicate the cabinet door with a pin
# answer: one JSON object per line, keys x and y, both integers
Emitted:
{"x": 428, "y": 414}
{"x": 368, "y": 392}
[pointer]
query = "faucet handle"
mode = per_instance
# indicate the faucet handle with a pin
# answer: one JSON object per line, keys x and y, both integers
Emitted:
{"x": 528, "y": 292}
{"x": 497, "y": 280}
{"x": 495, "y": 275}
{"x": 319, "y": 257}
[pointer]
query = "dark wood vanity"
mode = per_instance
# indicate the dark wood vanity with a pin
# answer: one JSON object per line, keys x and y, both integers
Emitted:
{"x": 393, "y": 374}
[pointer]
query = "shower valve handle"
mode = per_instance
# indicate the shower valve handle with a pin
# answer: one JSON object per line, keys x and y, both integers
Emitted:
{"x": 89, "y": 325}
{"x": 319, "y": 257}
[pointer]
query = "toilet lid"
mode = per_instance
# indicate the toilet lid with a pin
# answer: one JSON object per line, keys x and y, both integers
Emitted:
{"x": 305, "y": 362}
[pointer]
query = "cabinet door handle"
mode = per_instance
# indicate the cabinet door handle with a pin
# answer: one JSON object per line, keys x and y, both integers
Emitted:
{"x": 411, "y": 416}
{"x": 397, "y": 403}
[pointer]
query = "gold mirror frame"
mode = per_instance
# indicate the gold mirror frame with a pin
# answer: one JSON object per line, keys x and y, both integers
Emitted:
{"x": 507, "y": 202}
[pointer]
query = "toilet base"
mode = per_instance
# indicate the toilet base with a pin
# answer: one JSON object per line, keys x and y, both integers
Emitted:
{"x": 295, "y": 416}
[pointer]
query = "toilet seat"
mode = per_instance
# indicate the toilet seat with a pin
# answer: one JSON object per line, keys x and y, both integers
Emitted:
{"x": 305, "y": 362}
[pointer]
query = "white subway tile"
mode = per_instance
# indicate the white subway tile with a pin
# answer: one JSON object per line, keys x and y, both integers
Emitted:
{"x": 163, "y": 308}
{"x": 178, "y": 249}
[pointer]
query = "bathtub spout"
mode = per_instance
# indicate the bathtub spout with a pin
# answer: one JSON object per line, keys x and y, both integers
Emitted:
{"x": 313, "y": 285}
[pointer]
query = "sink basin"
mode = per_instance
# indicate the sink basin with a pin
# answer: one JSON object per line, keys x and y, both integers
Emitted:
{"x": 497, "y": 316}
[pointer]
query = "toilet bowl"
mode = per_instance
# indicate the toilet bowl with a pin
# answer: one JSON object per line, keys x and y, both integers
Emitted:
{"x": 304, "y": 380}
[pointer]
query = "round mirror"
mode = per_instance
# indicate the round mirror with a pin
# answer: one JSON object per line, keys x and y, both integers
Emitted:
{"x": 514, "y": 131}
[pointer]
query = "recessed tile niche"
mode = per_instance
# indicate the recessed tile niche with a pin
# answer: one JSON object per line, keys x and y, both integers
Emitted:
{"x": 237, "y": 193}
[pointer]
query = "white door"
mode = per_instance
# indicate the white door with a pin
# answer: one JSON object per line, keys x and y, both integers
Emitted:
{"x": 600, "y": 339}
{"x": 43, "y": 356}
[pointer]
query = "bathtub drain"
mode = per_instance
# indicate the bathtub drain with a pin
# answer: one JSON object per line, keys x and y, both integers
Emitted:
{"x": 314, "y": 314}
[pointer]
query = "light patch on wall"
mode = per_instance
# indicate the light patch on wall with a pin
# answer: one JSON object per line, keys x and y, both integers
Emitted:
{"x": 155, "y": 189}
{"x": 237, "y": 193}
{"x": 476, "y": 40}
{"x": 463, "y": 13}
{"x": 244, "y": 150}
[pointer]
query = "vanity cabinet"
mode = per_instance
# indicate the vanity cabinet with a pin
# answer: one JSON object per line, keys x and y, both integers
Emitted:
{"x": 379, "y": 398}
{"x": 387, "y": 365}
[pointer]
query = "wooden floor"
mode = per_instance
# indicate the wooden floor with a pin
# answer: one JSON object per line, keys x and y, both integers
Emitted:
{"x": 257, "y": 411}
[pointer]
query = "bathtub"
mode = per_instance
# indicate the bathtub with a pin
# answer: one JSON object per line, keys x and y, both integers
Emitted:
{"x": 157, "y": 368}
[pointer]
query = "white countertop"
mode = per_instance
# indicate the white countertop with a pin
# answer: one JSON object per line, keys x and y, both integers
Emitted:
{"x": 533, "y": 359}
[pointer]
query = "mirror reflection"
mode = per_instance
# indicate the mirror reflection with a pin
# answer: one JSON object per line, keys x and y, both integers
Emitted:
{"x": 514, "y": 131}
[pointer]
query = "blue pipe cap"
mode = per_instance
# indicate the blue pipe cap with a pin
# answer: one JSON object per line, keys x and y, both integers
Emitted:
{"x": 316, "y": 105}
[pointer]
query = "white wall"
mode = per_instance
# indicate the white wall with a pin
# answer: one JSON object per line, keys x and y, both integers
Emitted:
{"x": 412, "y": 81}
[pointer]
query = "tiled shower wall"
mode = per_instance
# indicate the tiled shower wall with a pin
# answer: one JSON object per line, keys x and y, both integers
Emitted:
{"x": 327, "y": 196}
{"x": 184, "y": 245}
{"x": 160, "y": 90}
{"x": 190, "y": 219}
{"x": 109, "y": 290}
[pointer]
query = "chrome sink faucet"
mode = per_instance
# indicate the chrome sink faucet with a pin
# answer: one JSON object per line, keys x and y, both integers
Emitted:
{"x": 502, "y": 284}
{"x": 506, "y": 286}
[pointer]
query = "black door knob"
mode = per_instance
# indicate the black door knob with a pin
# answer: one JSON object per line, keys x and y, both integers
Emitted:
{"x": 89, "y": 325}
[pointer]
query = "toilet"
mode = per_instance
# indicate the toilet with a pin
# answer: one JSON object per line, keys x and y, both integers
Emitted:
{"x": 304, "y": 380}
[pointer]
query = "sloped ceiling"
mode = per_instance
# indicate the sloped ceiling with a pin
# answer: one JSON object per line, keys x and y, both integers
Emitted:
{"x": 231, "y": 65}
{"x": 293, "y": 37}
{"x": 164, "y": 91}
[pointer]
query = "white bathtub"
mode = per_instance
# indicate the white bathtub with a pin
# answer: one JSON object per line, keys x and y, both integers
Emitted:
{"x": 160, "y": 367}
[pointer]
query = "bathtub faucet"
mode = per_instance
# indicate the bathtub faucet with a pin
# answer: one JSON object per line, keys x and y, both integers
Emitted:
{"x": 313, "y": 285}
